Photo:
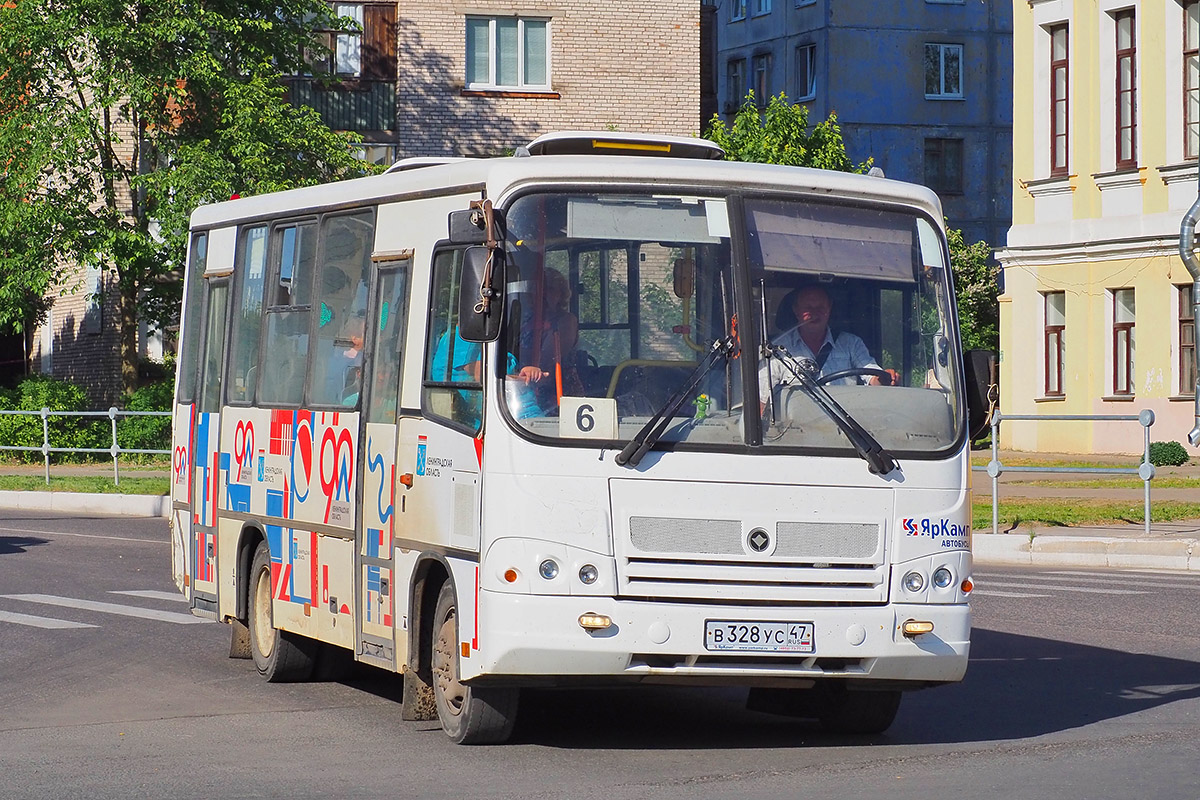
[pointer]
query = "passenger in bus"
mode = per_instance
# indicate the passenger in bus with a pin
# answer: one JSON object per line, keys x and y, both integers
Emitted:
{"x": 351, "y": 339}
{"x": 555, "y": 353}
{"x": 812, "y": 338}
{"x": 466, "y": 366}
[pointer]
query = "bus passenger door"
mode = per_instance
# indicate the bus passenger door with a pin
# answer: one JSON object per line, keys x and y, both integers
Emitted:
{"x": 205, "y": 452}
{"x": 379, "y": 637}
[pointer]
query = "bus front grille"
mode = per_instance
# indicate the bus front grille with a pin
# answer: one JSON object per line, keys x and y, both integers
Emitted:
{"x": 836, "y": 562}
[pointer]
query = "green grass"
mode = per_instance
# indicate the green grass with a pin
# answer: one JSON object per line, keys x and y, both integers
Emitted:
{"x": 97, "y": 484}
{"x": 1116, "y": 483}
{"x": 1078, "y": 511}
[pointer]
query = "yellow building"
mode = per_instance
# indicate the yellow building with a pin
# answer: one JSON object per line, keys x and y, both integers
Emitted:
{"x": 1097, "y": 314}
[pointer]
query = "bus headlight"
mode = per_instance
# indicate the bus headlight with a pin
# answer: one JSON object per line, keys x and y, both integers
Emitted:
{"x": 943, "y": 578}
{"x": 548, "y": 569}
{"x": 588, "y": 574}
{"x": 914, "y": 582}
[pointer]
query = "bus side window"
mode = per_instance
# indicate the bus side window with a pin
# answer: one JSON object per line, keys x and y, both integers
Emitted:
{"x": 341, "y": 303}
{"x": 285, "y": 353}
{"x": 453, "y": 387}
{"x": 247, "y": 315}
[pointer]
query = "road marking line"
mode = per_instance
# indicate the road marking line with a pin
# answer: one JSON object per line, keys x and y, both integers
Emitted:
{"x": 986, "y": 593}
{"x": 1056, "y": 588}
{"x": 41, "y": 622}
{"x": 109, "y": 608}
{"x": 153, "y": 594}
{"x": 1133, "y": 575}
{"x": 83, "y": 535}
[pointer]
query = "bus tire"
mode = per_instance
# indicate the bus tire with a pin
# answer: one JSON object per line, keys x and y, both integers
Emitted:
{"x": 469, "y": 714}
{"x": 278, "y": 655}
{"x": 857, "y": 711}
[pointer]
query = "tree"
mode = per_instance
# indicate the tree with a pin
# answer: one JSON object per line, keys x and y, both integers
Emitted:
{"x": 117, "y": 118}
{"x": 780, "y": 134}
{"x": 977, "y": 291}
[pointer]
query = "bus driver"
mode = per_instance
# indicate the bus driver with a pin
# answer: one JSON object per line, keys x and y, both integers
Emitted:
{"x": 811, "y": 338}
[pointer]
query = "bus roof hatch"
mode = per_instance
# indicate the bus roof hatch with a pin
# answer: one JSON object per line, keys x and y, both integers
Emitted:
{"x": 574, "y": 143}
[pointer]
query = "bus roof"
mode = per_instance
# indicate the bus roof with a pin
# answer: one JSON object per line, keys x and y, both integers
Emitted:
{"x": 498, "y": 176}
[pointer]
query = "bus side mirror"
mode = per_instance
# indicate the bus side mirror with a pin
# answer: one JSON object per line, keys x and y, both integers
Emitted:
{"x": 481, "y": 295}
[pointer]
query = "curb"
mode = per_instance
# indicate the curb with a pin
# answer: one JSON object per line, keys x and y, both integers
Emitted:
{"x": 125, "y": 505}
{"x": 1080, "y": 551}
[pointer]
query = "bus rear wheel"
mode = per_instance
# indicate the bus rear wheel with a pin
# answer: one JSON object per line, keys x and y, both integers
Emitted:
{"x": 278, "y": 655}
{"x": 469, "y": 714}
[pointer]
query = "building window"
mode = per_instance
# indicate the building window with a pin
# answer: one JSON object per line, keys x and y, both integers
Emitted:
{"x": 1123, "y": 341}
{"x": 1191, "y": 79}
{"x": 735, "y": 83}
{"x": 1059, "y": 106}
{"x": 943, "y": 165}
{"x": 1187, "y": 341}
{"x": 367, "y": 50}
{"x": 943, "y": 71}
{"x": 762, "y": 78}
{"x": 760, "y": 7}
{"x": 1126, "y": 91}
{"x": 1054, "y": 336}
{"x": 508, "y": 53}
{"x": 806, "y": 72}
{"x": 737, "y": 10}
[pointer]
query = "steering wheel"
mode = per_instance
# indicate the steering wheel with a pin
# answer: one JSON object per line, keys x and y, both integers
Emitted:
{"x": 885, "y": 377}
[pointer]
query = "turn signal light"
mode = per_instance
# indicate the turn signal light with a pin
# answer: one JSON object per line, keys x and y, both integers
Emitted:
{"x": 510, "y": 575}
{"x": 967, "y": 586}
{"x": 915, "y": 627}
{"x": 595, "y": 622}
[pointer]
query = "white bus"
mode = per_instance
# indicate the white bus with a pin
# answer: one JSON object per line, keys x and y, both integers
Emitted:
{"x": 482, "y": 423}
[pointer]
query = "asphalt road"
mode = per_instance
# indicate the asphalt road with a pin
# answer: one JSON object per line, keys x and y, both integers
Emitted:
{"x": 1083, "y": 684}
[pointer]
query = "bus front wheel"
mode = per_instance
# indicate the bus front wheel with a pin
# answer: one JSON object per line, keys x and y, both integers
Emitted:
{"x": 469, "y": 714}
{"x": 278, "y": 655}
{"x": 857, "y": 711}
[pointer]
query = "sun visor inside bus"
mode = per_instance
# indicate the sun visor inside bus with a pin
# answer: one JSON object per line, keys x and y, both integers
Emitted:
{"x": 833, "y": 240}
{"x": 667, "y": 220}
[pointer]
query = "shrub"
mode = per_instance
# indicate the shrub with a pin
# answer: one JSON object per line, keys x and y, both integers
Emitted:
{"x": 1170, "y": 454}
{"x": 147, "y": 433}
{"x": 37, "y": 392}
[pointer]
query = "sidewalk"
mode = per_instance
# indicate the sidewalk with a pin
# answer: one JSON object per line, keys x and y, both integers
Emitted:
{"x": 1170, "y": 545}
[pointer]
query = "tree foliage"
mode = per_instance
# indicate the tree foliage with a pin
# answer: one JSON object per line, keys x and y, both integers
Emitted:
{"x": 117, "y": 118}
{"x": 780, "y": 134}
{"x": 977, "y": 290}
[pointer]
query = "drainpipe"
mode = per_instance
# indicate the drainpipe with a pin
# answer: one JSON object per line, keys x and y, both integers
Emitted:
{"x": 1187, "y": 251}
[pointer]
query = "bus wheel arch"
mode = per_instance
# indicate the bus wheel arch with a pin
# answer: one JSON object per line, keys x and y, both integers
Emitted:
{"x": 239, "y": 638}
{"x": 428, "y": 577}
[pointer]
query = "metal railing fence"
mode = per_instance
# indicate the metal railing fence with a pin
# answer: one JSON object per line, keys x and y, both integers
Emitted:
{"x": 1145, "y": 470}
{"x": 114, "y": 450}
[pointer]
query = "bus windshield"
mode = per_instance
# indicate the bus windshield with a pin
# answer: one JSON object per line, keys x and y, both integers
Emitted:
{"x": 617, "y": 302}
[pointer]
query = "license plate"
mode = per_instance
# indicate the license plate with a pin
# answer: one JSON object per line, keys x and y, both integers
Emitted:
{"x": 763, "y": 637}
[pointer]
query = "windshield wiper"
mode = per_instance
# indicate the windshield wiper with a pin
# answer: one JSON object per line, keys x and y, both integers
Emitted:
{"x": 653, "y": 430}
{"x": 805, "y": 371}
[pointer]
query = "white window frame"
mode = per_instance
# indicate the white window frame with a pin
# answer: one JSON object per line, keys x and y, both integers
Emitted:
{"x": 944, "y": 48}
{"x": 761, "y": 65}
{"x": 760, "y": 7}
{"x": 493, "y": 56}
{"x": 806, "y": 54}
{"x": 737, "y": 10}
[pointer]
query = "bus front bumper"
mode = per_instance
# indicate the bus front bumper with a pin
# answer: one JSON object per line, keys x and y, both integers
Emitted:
{"x": 538, "y": 639}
